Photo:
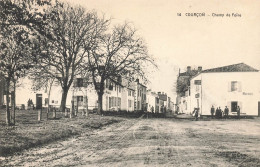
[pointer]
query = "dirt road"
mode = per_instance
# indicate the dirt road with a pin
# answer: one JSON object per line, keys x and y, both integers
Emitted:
{"x": 153, "y": 142}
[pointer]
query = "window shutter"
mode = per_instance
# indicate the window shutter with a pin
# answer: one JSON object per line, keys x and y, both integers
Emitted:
{"x": 229, "y": 86}
{"x": 75, "y": 82}
{"x": 75, "y": 100}
{"x": 109, "y": 102}
{"x": 85, "y": 82}
{"x": 85, "y": 101}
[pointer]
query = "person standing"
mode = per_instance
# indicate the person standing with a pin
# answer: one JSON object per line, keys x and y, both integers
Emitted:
{"x": 226, "y": 111}
{"x": 216, "y": 113}
{"x": 238, "y": 112}
{"x": 220, "y": 113}
{"x": 212, "y": 110}
{"x": 196, "y": 113}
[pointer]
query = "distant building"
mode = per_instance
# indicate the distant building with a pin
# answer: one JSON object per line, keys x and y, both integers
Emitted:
{"x": 182, "y": 88}
{"x": 163, "y": 102}
{"x": 231, "y": 86}
{"x": 118, "y": 95}
{"x": 152, "y": 102}
{"x": 128, "y": 96}
{"x": 140, "y": 96}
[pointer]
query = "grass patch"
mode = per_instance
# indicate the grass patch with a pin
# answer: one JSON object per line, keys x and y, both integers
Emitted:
{"x": 29, "y": 132}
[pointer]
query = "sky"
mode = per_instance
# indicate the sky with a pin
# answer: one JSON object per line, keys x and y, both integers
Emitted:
{"x": 180, "y": 41}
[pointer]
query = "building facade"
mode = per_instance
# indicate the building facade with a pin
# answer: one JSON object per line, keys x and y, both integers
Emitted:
{"x": 231, "y": 86}
{"x": 183, "y": 88}
{"x": 140, "y": 96}
{"x": 153, "y": 103}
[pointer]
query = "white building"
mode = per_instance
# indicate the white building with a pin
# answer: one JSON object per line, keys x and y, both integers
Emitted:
{"x": 231, "y": 86}
{"x": 153, "y": 102}
{"x": 118, "y": 95}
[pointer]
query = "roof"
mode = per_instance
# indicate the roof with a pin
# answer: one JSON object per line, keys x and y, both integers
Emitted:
{"x": 241, "y": 67}
{"x": 190, "y": 73}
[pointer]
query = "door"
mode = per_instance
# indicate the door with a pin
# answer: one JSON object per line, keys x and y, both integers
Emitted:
{"x": 38, "y": 101}
{"x": 259, "y": 108}
{"x": 234, "y": 106}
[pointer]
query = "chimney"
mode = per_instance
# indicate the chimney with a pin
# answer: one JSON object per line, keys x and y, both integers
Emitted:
{"x": 199, "y": 69}
{"x": 188, "y": 69}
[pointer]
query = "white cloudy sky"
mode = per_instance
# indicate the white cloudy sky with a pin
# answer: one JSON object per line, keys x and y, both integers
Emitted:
{"x": 177, "y": 42}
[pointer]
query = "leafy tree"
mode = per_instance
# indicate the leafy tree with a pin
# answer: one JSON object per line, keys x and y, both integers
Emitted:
{"x": 120, "y": 53}
{"x": 19, "y": 21}
{"x": 15, "y": 58}
{"x": 182, "y": 85}
{"x": 68, "y": 36}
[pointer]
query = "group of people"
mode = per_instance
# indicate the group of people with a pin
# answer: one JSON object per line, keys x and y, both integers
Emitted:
{"x": 220, "y": 113}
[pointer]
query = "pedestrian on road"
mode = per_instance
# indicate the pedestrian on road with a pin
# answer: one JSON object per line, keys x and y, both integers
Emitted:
{"x": 226, "y": 111}
{"x": 238, "y": 112}
{"x": 220, "y": 113}
{"x": 217, "y": 113}
{"x": 212, "y": 110}
{"x": 196, "y": 113}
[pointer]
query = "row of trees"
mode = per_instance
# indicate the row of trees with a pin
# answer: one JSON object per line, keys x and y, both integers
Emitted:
{"x": 49, "y": 40}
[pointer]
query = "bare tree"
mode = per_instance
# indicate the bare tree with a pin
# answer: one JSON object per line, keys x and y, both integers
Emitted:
{"x": 69, "y": 36}
{"x": 120, "y": 53}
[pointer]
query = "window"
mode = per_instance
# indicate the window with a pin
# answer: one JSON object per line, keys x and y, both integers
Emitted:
{"x": 234, "y": 86}
{"x": 46, "y": 101}
{"x": 79, "y": 82}
{"x": 234, "y": 106}
{"x": 110, "y": 102}
{"x": 119, "y": 102}
{"x": 129, "y": 103}
{"x": 80, "y": 100}
{"x": 110, "y": 86}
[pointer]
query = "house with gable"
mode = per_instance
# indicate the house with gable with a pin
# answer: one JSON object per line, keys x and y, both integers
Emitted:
{"x": 231, "y": 86}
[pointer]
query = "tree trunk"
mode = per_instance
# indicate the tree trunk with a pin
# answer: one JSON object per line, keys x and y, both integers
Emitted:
{"x": 87, "y": 113}
{"x": 54, "y": 112}
{"x": 39, "y": 114}
{"x": 49, "y": 95}
{"x": 8, "y": 115}
{"x": 63, "y": 99}
{"x": 100, "y": 103}
{"x": 14, "y": 104}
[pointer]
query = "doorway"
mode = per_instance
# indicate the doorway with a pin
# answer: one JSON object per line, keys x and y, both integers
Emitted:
{"x": 38, "y": 101}
{"x": 234, "y": 106}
